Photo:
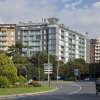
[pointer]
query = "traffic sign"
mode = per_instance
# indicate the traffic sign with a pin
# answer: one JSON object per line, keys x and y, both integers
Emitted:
{"x": 76, "y": 72}
{"x": 48, "y": 68}
{"x": 48, "y": 72}
{"x": 47, "y": 64}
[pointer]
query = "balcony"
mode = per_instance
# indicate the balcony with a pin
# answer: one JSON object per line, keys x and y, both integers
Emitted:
{"x": 3, "y": 44}
{"x": 3, "y": 39}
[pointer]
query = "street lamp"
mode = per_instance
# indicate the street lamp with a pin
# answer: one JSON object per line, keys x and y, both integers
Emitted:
{"x": 39, "y": 67}
{"x": 58, "y": 69}
{"x": 26, "y": 71}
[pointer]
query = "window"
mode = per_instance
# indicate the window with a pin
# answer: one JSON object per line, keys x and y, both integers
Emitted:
{"x": 49, "y": 42}
{"x": 44, "y": 42}
{"x": 12, "y": 33}
{"x": 49, "y": 47}
{"x": 52, "y": 30}
{"x": 44, "y": 47}
{"x": 18, "y": 37}
{"x": 44, "y": 37}
{"x": 49, "y": 36}
{"x": 12, "y": 38}
{"x": 18, "y": 33}
{"x": 38, "y": 37}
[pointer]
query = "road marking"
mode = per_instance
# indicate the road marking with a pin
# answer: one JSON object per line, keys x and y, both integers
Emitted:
{"x": 77, "y": 90}
{"x": 61, "y": 86}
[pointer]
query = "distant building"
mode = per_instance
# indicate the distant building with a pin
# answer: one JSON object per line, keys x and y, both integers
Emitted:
{"x": 95, "y": 50}
{"x": 53, "y": 38}
{"x": 7, "y": 36}
{"x": 92, "y": 50}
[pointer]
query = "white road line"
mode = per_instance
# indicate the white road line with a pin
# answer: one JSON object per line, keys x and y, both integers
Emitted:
{"x": 77, "y": 90}
{"x": 61, "y": 86}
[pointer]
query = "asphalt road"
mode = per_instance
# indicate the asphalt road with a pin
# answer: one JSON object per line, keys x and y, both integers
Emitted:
{"x": 65, "y": 91}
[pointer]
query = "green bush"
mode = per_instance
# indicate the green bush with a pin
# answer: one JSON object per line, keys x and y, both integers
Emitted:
{"x": 4, "y": 82}
{"x": 7, "y": 68}
{"x": 70, "y": 79}
{"x": 22, "y": 79}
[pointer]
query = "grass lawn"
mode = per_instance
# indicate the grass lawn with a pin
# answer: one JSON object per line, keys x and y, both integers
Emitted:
{"x": 58, "y": 81}
{"x": 9, "y": 91}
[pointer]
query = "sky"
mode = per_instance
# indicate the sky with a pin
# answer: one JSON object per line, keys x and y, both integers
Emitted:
{"x": 78, "y": 15}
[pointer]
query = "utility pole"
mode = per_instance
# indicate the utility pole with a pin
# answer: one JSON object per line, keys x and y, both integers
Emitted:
{"x": 58, "y": 70}
{"x": 39, "y": 67}
{"x": 48, "y": 65}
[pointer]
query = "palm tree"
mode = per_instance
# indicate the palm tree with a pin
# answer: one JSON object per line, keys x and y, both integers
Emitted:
{"x": 17, "y": 49}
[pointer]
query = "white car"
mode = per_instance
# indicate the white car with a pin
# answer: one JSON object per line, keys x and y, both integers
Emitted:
{"x": 87, "y": 79}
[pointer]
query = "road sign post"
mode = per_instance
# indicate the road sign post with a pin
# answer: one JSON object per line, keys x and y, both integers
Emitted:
{"x": 76, "y": 73}
{"x": 48, "y": 70}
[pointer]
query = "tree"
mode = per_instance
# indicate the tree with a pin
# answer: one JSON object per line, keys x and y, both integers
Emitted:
{"x": 1, "y": 51}
{"x": 40, "y": 58}
{"x": 7, "y": 68}
{"x": 17, "y": 49}
{"x": 78, "y": 64}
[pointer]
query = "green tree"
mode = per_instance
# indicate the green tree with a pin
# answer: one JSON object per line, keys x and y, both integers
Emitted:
{"x": 40, "y": 58}
{"x": 7, "y": 68}
{"x": 17, "y": 49}
{"x": 1, "y": 51}
{"x": 78, "y": 64}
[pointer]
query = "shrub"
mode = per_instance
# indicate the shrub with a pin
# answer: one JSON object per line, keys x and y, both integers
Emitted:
{"x": 4, "y": 82}
{"x": 35, "y": 84}
{"x": 22, "y": 79}
{"x": 7, "y": 68}
{"x": 70, "y": 79}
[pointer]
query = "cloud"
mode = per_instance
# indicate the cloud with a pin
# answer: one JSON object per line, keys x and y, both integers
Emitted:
{"x": 84, "y": 19}
{"x": 21, "y": 10}
{"x": 65, "y": 0}
{"x": 96, "y": 4}
{"x": 73, "y": 5}
{"x": 80, "y": 19}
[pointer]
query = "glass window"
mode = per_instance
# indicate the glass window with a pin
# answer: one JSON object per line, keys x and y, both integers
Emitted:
{"x": 52, "y": 30}
{"x": 49, "y": 41}
{"x": 49, "y": 36}
{"x": 12, "y": 38}
{"x": 49, "y": 30}
{"x": 12, "y": 33}
{"x": 18, "y": 33}
{"x": 49, "y": 47}
{"x": 18, "y": 37}
{"x": 38, "y": 37}
{"x": 44, "y": 36}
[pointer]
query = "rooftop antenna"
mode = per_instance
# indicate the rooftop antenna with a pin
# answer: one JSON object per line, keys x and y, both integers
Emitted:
{"x": 43, "y": 19}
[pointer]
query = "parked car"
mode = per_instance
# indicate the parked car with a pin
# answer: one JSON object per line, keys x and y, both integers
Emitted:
{"x": 97, "y": 82}
{"x": 59, "y": 77}
{"x": 87, "y": 79}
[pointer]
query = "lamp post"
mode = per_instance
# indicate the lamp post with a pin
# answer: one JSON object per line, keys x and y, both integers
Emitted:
{"x": 26, "y": 71}
{"x": 39, "y": 67}
{"x": 57, "y": 70}
{"x": 94, "y": 70}
{"x": 48, "y": 65}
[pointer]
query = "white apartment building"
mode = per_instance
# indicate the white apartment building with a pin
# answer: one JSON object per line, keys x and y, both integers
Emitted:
{"x": 55, "y": 39}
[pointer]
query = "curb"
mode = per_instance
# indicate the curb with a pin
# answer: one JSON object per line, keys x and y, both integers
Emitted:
{"x": 26, "y": 94}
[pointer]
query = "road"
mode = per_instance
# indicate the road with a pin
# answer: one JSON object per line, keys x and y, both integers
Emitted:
{"x": 65, "y": 91}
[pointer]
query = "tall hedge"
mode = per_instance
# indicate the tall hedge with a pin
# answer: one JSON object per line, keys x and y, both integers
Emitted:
{"x": 7, "y": 68}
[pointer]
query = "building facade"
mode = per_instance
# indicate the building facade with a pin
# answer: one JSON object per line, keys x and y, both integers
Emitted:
{"x": 7, "y": 36}
{"x": 92, "y": 50}
{"x": 53, "y": 38}
{"x": 95, "y": 50}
